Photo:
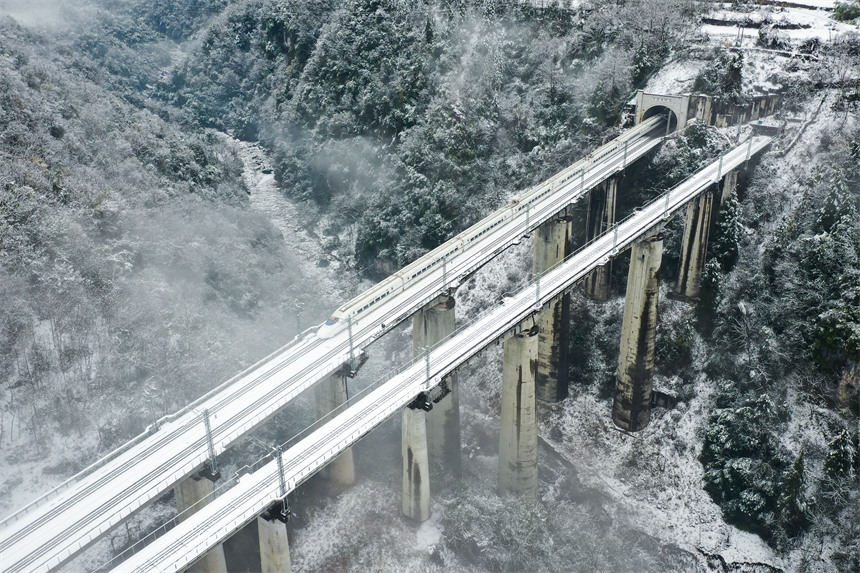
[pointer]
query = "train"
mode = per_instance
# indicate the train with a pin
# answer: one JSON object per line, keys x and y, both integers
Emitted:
{"x": 397, "y": 283}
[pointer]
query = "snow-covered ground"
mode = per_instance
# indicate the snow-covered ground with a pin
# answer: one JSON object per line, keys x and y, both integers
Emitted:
{"x": 677, "y": 77}
{"x": 766, "y": 69}
{"x": 331, "y": 279}
{"x": 568, "y": 4}
{"x": 649, "y": 483}
{"x": 794, "y": 23}
{"x": 654, "y": 476}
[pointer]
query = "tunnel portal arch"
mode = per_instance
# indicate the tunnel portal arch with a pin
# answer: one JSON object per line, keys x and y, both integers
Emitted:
{"x": 648, "y": 105}
{"x": 663, "y": 111}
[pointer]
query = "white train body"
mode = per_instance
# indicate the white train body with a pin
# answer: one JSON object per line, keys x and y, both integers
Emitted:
{"x": 518, "y": 208}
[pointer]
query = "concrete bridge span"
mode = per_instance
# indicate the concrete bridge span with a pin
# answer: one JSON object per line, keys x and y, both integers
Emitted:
{"x": 53, "y": 529}
{"x": 515, "y": 320}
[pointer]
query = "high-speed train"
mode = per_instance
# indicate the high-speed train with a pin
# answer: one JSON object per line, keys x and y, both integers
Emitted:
{"x": 398, "y": 282}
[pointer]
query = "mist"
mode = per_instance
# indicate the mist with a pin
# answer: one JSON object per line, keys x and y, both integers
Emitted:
{"x": 49, "y": 15}
{"x": 184, "y": 186}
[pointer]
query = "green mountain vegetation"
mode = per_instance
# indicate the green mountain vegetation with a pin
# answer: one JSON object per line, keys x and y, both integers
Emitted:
{"x": 130, "y": 264}
{"x": 134, "y": 276}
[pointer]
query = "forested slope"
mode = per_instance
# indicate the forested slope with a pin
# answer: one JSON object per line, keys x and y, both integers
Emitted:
{"x": 134, "y": 276}
{"x": 405, "y": 121}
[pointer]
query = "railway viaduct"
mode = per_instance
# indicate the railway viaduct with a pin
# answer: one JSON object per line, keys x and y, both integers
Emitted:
{"x": 533, "y": 328}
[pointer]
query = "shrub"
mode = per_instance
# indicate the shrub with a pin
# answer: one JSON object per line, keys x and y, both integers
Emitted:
{"x": 743, "y": 462}
{"x": 723, "y": 76}
{"x": 847, "y": 11}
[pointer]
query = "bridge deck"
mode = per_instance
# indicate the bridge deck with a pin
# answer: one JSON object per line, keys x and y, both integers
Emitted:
{"x": 255, "y": 492}
{"x": 57, "y": 526}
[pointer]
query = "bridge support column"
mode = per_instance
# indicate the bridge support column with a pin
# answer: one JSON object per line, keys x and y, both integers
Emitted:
{"x": 632, "y": 407}
{"x": 552, "y": 243}
{"x": 729, "y": 187}
{"x": 600, "y": 218}
{"x": 430, "y": 326}
{"x": 330, "y": 394}
{"x": 697, "y": 227}
{"x": 274, "y": 546}
{"x": 694, "y": 246}
{"x": 416, "y": 465}
{"x": 191, "y": 495}
{"x": 519, "y": 431}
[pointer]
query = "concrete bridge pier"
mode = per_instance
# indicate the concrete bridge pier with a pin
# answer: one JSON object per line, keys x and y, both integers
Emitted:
{"x": 700, "y": 215}
{"x": 519, "y": 431}
{"x": 431, "y": 325}
{"x": 552, "y": 243}
{"x": 416, "y": 464}
{"x": 426, "y": 425}
{"x": 274, "y": 546}
{"x": 330, "y": 394}
{"x": 729, "y": 186}
{"x": 192, "y": 494}
{"x": 694, "y": 246}
{"x": 599, "y": 219}
{"x": 632, "y": 407}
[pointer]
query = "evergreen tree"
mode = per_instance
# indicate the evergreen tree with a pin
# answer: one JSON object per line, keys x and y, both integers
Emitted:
{"x": 723, "y": 77}
{"x": 743, "y": 460}
{"x": 727, "y": 234}
{"x": 792, "y": 502}
{"x": 846, "y": 10}
{"x": 840, "y": 460}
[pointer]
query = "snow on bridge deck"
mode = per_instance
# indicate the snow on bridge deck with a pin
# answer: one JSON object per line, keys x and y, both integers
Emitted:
{"x": 256, "y": 492}
{"x": 54, "y": 528}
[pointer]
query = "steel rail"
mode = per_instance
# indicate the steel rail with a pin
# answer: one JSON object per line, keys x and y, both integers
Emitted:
{"x": 255, "y": 492}
{"x": 52, "y": 550}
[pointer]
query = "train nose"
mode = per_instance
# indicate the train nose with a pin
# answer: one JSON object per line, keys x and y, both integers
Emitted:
{"x": 328, "y": 329}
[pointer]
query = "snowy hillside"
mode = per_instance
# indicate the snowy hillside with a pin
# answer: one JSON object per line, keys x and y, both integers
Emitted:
{"x": 186, "y": 184}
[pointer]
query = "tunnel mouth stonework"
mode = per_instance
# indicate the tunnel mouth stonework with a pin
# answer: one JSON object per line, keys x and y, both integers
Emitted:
{"x": 662, "y": 111}
{"x": 650, "y": 105}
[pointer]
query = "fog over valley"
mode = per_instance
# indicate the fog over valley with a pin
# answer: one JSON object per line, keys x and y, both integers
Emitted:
{"x": 190, "y": 186}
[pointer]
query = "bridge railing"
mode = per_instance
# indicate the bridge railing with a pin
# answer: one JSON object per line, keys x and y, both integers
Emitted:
{"x": 579, "y": 169}
{"x": 343, "y": 443}
{"x": 561, "y": 177}
{"x": 149, "y": 431}
{"x": 671, "y": 205}
{"x": 291, "y": 441}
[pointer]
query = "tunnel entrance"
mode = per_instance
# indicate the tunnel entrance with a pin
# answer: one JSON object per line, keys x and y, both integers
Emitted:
{"x": 663, "y": 111}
